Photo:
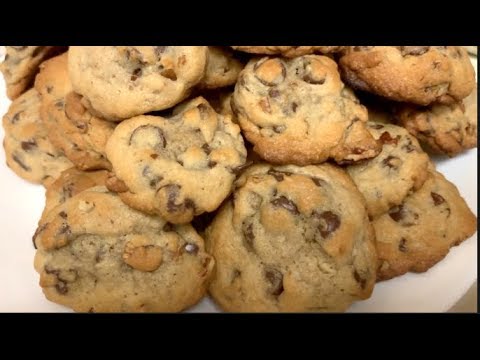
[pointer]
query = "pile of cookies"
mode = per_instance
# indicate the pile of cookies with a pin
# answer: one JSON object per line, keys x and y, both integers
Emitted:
{"x": 275, "y": 178}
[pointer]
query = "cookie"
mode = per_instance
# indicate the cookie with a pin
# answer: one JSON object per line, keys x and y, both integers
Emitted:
{"x": 298, "y": 111}
{"x": 292, "y": 239}
{"x": 414, "y": 74}
{"x": 222, "y": 68}
{"x": 401, "y": 167}
{"x": 71, "y": 127}
{"x": 445, "y": 129}
{"x": 69, "y": 183}
{"x": 289, "y": 51}
{"x": 28, "y": 150}
{"x": 120, "y": 82}
{"x": 420, "y": 232}
{"x": 96, "y": 254}
{"x": 178, "y": 167}
{"x": 21, "y": 64}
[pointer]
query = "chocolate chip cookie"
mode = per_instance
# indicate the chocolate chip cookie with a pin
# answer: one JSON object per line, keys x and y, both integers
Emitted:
{"x": 417, "y": 234}
{"x": 401, "y": 167}
{"x": 178, "y": 167}
{"x": 71, "y": 182}
{"x": 72, "y": 128}
{"x": 292, "y": 239}
{"x": 289, "y": 51}
{"x": 415, "y": 74}
{"x": 120, "y": 82}
{"x": 445, "y": 129}
{"x": 222, "y": 68}
{"x": 21, "y": 64}
{"x": 29, "y": 152}
{"x": 96, "y": 254}
{"x": 298, "y": 111}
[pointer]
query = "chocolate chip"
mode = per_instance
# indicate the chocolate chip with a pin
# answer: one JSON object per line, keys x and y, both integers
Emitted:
{"x": 317, "y": 181}
{"x": 362, "y": 48}
{"x": 168, "y": 227}
{"x": 191, "y": 248}
{"x": 285, "y": 203}
{"x": 248, "y": 237}
{"x": 279, "y": 129}
{"x": 63, "y": 214}
{"x": 401, "y": 246}
{"x": 408, "y": 147}
{"x": 392, "y": 162}
{"x": 154, "y": 156}
{"x": 15, "y": 118}
{"x": 386, "y": 138}
{"x": 294, "y": 106}
{"x": 278, "y": 175}
{"x": 64, "y": 229}
{"x": 149, "y": 175}
{"x": 212, "y": 164}
{"x": 206, "y": 148}
{"x": 396, "y": 213}
{"x": 61, "y": 287}
{"x": 161, "y": 136}
{"x": 275, "y": 280}
{"x": 29, "y": 145}
{"x": 159, "y": 50}
{"x": 136, "y": 74}
{"x": 403, "y": 216}
{"x": 359, "y": 279}
{"x": 437, "y": 198}
{"x": 169, "y": 74}
{"x": 273, "y": 93}
{"x": 173, "y": 192}
{"x": 413, "y": 50}
{"x": 329, "y": 222}
{"x": 20, "y": 163}
{"x": 238, "y": 170}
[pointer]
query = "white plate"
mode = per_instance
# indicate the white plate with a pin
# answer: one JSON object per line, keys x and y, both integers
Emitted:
{"x": 21, "y": 204}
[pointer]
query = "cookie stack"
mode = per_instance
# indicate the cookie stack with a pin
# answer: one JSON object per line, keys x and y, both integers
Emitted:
{"x": 253, "y": 173}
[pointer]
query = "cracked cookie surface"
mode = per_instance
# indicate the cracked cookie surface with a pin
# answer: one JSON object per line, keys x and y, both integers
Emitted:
{"x": 292, "y": 239}
{"x": 96, "y": 254}
{"x": 414, "y": 74}
{"x": 177, "y": 167}
{"x": 417, "y": 234}
{"x": 119, "y": 82}
{"x": 445, "y": 129}
{"x": 401, "y": 167}
{"x": 298, "y": 111}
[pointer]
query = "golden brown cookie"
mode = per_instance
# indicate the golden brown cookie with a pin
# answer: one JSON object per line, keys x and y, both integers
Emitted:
{"x": 415, "y": 74}
{"x": 292, "y": 239}
{"x": 298, "y": 111}
{"x": 96, "y": 254}
{"x": 417, "y": 234}
{"x": 445, "y": 129}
